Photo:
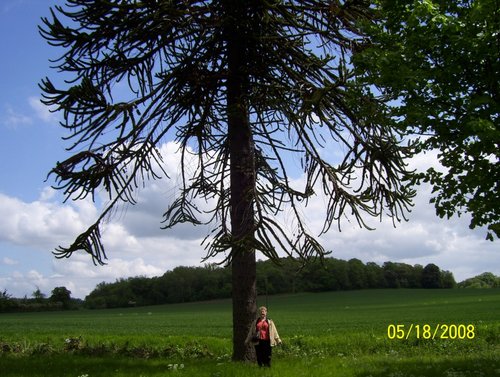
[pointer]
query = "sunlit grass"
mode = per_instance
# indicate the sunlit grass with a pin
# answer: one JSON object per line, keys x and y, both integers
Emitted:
{"x": 336, "y": 333}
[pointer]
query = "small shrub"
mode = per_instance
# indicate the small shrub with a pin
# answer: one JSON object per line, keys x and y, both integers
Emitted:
{"x": 73, "y": 344}
{"x": 5, "y": 348}
{"x": 41, "y": 349}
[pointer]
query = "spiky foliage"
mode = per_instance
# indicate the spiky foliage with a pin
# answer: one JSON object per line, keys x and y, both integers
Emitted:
{"x": 299, "y": 92}
{"x": 243, "y": 87}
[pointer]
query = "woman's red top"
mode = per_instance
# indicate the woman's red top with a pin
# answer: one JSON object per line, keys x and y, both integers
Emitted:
{"x": 263, "y": 329}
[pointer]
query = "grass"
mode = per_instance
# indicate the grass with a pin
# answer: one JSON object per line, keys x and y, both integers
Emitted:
{"x": 389, "y": 366}
{"x": 335, "y": 333}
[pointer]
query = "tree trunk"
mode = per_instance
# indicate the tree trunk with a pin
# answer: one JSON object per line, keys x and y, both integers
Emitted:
{"x": 242, "y": 169}
{"x": 244, "y": 274}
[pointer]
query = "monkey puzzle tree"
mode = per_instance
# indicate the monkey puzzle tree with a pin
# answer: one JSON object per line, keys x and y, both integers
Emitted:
{"x": 242, "y": 86}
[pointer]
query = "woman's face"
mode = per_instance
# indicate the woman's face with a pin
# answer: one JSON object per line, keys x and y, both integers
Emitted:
{"x": 263, "y": 313}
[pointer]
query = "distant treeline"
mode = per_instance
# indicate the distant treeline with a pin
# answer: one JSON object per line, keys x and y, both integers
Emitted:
{"x": 485, "y": 280}
{"x": 60, "y": 299}
{"x": 187, "y": 284}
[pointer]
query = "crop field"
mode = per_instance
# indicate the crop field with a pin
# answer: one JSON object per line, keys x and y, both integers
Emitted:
{"x": 377, "y": 333}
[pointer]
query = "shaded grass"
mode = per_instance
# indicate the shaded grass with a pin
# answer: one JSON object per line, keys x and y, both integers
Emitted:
{"x": 428, "y": 366}
{"x": 388, "y": 366}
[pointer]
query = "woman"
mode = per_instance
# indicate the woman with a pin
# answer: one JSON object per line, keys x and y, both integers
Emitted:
{"x": 263, "y": 335}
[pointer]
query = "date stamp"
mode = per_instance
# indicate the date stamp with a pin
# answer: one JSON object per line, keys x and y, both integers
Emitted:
{"x": 426, "y": 331}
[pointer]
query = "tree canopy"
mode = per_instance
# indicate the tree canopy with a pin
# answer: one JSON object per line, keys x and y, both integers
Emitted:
{"x": 437, "y": 64}
{"x": 299, "y": 91}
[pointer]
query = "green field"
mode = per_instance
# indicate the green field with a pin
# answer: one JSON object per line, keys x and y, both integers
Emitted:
{"x": 324, "y": 334}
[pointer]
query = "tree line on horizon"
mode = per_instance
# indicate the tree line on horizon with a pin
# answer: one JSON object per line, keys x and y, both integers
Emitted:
{"x": 60, "y": 299}
{"x": 188, "y": 284}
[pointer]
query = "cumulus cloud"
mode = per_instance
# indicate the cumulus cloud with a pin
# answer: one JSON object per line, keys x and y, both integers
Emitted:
{"x": 80, "y": 276}
{"x": 42, "y": 222}
{"x": 136, "y": 245}
{"x": 424, "y": 238}
{"x": 22, "y": 284}
{"x": 134, "y": 242}
{"x": 41, "y": 111}
{"x": 145, "y": 218}
{"x": 14, "y": 118}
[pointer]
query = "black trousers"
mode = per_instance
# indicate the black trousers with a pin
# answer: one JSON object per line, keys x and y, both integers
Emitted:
{"x": 264, "y": 351}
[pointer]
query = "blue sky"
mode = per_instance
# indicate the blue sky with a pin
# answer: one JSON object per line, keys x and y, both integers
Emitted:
{"x": 33, "y": 219}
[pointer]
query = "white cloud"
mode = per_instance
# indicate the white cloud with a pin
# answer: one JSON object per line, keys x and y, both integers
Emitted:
{"x": 134, "y": 242}
{"x": 13, "y": 119}
{"x": 41, "y": 223}
{"x": 136, "y": 245}
{"x": 9, "y": 262}
{"x": 424, "y": 239}
{"x": 21, "y": 284}
{"x": 41, "y": 111}
{"x": 47, "y": 194}
{"x": 80, "y": 276}
{"x": 425, "y": 160}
